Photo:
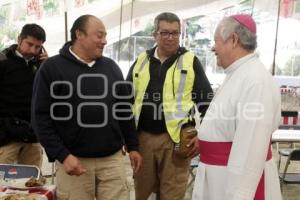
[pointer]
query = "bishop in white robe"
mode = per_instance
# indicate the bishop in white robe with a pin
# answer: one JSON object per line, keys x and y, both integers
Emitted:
{"x": 234, "y": 137}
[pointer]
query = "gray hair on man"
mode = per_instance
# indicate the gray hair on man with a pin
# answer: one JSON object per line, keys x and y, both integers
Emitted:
{"x": 229, "y": 25}
{"x": 165, "y": 16}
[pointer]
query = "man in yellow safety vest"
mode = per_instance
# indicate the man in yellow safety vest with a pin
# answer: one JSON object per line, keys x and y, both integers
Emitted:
{"x": 168, "y": 81}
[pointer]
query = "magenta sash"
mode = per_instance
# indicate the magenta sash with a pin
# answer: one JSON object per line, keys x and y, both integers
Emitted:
{"x": 217, "y": 153}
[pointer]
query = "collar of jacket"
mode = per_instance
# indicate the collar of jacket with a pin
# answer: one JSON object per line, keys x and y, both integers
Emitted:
{"x": 11, "y": 51}
{"x": 65, "y": 52}
{"x": 179, "y": 52}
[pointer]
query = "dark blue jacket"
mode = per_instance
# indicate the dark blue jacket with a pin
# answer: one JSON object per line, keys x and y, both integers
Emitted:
{"x": 77, "y": 109}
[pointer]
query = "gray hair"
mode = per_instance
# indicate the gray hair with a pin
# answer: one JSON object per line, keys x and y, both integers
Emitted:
{"x": 247, "y": 38}
{"x": 165, "y": 16}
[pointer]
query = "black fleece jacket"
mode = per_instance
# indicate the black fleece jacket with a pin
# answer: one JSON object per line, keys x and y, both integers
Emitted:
{"x": 81, "y": 114}
{"x": 152, "y": 120}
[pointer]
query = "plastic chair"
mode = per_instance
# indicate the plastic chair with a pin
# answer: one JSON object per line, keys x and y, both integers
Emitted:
{"x": 15, "y": 175}
{"x": 193, "y": 165}
{"x": 289, "y": 121}
{"x": 16, "y": 171}
{"x": 291, "y": 178}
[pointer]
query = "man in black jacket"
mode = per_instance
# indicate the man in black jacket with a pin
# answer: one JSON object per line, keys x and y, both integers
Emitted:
{"x": 168, "y": 81}
{"x": 18, "y": 65}
{"x": 78, "y": 101}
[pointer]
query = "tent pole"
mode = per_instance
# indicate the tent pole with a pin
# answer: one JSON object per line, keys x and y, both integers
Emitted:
{"x": 130, "y": 34}
{"x": 253, "y": 4}
{"x": 66, "y": 26}
{"x": 120, "y": 31}
{"x": 276, "y": 36}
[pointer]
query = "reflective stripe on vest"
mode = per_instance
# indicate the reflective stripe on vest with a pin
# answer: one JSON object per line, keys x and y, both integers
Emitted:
{"x": 140, "y": 79}
{"x": 177, "y": 91}
{"x": 181, "y": 84}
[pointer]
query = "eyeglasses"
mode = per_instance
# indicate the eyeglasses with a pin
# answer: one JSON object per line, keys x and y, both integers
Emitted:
{"x": 167, "y": 34}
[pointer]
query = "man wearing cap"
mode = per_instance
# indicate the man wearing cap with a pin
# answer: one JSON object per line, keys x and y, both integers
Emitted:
{"x": 234, "y": 137}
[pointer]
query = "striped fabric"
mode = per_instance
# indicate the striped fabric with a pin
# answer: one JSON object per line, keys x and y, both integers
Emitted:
{"x": 289, "y": 117}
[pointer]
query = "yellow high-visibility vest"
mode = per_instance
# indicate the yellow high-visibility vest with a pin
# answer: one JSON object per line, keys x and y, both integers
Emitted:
{"x": 177, "y": 91}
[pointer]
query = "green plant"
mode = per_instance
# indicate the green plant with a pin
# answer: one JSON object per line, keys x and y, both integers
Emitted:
{"x": 193, "y": 27}
{"x": 50, "y": 6}
{"x": 292, "y": 67}
{"x": 149, "y": 29}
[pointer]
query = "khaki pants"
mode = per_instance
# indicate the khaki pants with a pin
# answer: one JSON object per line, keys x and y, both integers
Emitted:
{"x": 105, "y": 179}
{"x": 22, "y": 153}
{"x": 159, "y": 174}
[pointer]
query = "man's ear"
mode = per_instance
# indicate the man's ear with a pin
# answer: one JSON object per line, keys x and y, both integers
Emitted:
{"x": 235, "y": 40}
{"x": 19, "y": 40}
{"x": 154, "y": 33}
{"x": 79, "y": 34}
